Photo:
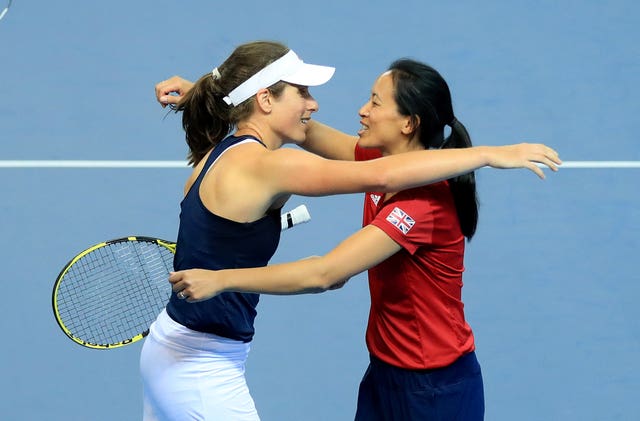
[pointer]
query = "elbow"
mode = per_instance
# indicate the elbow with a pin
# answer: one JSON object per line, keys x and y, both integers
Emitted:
{"x": 381, "y": 181}
{"x": 323, "y": 278}
{"x": 339, "y": 284}
{"x": 325, "y": 282}
{"x": 319, "y": 284}
{"x": 329, "y": 283}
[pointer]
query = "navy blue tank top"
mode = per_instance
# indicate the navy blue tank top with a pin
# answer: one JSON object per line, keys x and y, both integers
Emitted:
{"x": 208, "y": 241}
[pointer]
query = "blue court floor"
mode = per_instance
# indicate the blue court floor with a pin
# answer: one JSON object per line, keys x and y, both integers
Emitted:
{"x": 551, "y": 286}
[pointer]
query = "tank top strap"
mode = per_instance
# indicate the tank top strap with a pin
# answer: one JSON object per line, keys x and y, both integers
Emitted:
{"x": 224, "y": 145}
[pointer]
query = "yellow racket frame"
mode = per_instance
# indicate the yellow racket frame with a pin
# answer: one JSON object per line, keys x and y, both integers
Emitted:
{"x": 171, "y": 246}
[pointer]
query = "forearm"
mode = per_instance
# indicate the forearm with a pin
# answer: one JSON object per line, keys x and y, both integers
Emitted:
{"x": 328, "y": 142}
{"x": 364, "y": 249}
{"x": 315, "y": 176}
{"x": 357, "y": 253}
{"x": 412, "y": 169}
{"x": 300, "y": 277}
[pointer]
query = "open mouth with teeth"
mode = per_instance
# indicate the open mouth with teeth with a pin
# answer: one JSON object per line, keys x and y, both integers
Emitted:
{"x": 304, "y": 120}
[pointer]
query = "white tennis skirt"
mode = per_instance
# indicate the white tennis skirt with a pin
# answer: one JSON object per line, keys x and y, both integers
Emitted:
{"x": 190, "y": 375}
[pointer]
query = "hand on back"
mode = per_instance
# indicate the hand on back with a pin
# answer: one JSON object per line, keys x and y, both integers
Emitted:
{"x": 170, "y": 91}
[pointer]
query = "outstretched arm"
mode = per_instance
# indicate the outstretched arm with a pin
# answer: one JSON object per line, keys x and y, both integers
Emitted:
{"x": 359, "y": 252}
{"x": 292, "y": 171}
{"x": 386, "y": 174}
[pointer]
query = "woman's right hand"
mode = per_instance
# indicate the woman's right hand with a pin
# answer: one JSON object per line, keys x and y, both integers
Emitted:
{"x": 524, "y": 155}
{"x": 170, "y": 91}
{"x": 195, "y": 284}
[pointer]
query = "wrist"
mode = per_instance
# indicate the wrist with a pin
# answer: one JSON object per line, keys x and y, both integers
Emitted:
{"x": 484, "y": 153}
{"x": 221, "y": 280}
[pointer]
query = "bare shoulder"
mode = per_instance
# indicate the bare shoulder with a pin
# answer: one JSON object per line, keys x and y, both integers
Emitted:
{"x": 194, "y": 174}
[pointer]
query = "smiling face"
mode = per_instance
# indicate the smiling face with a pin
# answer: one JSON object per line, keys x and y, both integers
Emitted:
{"x": 292, "y": 111}
{"x": 383, "y": 127}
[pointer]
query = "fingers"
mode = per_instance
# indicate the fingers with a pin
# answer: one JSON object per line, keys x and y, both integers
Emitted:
{"x": 541, "y": 156}
{"x": 549, "y": 163}
{"x": 552, "y": 159}
{"x": 182, "y": 291}
{"x": 177, "y": 285}
{"x": 533, "y": 167}
{"x": 184, "y": 285}
{"x": 180, "y": 286}
{"x": 166, "y": 88}
{"x": 165, "y": 100}
{"x": 555, "y": 157}
{"x": 161, "y": 93}
{"x": 175, "y": 277}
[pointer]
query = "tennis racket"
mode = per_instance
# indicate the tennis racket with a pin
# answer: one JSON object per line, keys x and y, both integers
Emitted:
{"x": 108, "y": 295}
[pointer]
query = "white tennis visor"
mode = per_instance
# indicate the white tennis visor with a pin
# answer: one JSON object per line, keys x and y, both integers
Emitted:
{"x": 288, "y": 68}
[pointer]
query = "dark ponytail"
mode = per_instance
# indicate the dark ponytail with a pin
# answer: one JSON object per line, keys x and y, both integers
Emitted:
{"x": 463, "y": 187}
{"x": 423, "y": 94}
{"x": 206, "y": 117}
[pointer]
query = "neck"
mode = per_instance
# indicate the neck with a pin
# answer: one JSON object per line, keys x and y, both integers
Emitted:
{"x": 252, "y": 129}
{"x": 406, "y": 144}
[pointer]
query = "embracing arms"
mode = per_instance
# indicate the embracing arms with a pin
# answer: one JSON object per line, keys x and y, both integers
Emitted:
{"x": 364, "y": 249}
{"x": 314, "y": 177}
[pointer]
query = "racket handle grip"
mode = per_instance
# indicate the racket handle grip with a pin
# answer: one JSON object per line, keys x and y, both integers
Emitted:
{"x": 294, "y": 217}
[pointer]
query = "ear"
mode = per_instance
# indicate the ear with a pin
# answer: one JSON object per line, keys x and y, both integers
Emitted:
{"x": 264, "y": 100}
{"x": 410, "y": 124}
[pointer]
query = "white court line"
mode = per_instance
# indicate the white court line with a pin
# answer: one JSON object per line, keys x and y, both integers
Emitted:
{"x": 599, "y": 164}
{"x": 93, "y": 164}
{"x": 183, "y": 164}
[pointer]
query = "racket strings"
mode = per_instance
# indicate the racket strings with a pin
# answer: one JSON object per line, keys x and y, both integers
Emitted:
{"x": 115, "y": 292}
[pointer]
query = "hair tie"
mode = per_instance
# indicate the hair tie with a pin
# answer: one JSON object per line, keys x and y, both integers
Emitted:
{"x": 215, "y": 74}
{"x": 453, "y": 122}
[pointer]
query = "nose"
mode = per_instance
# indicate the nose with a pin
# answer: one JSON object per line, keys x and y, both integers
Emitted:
{"x": 312, "y": 104}
{"x": 364, "y": 110}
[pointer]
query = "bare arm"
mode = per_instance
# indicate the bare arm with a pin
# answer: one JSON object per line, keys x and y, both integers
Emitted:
{"x": 329, "y": 143}
{"x": 301, "y": 174}
{"x": 296, "y": 172}
{"x": 359, "y": 252}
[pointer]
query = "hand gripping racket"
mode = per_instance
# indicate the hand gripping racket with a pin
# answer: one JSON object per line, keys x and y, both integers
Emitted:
{"x": 109, "y": 294}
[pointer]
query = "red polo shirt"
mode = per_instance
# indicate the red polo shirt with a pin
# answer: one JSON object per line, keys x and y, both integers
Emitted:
{"x": 416, "y": 320}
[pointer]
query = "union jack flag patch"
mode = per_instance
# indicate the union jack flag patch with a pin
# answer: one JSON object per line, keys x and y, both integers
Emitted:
{"x": 401, "y": 220}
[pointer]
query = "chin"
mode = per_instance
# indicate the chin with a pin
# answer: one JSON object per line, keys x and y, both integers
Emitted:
{"x": 364, "y": 143}
{"x": 297, "y": 140}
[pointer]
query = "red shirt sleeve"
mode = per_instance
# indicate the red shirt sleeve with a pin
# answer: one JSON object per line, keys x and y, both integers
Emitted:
{"x": 413, "y": 217}
{"x": 405, "y": 223}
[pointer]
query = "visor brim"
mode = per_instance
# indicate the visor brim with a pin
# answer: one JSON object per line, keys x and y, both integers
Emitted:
{"x": 310, "y": 75}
